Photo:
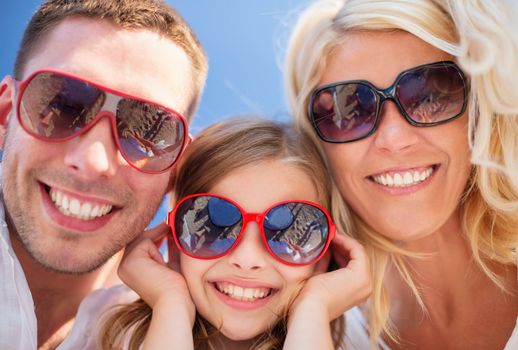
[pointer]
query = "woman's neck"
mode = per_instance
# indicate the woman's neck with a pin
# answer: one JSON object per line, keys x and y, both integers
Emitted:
{"x": 446, "y": 278}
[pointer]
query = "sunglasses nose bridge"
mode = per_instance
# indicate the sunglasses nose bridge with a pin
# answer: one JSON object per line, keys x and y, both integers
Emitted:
{"x": 98, "y": 117}
{"x": 248, "y": 217}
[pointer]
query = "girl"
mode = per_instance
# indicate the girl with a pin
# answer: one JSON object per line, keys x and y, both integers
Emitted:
{"x": 252, "y": 235}
{"x": 415, "y": 106}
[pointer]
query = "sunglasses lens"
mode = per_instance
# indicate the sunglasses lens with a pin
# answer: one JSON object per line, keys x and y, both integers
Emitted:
{"x": 150, "y": 136}
{"x": 206, "y": 226}
{"x": 55, "y": 106}
{"x": 432, "y": 94}
{"x": 296, "y": 232}
{"x": 344, "y": 112}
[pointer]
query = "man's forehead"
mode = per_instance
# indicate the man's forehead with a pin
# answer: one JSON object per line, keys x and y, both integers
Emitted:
{"x": 138, "y": 62}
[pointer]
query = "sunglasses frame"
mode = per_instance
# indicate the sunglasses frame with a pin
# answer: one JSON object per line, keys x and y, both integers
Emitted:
{"x": 383, "y": 95}
{"x": 252, "y": 217}
{"x": 21, "y": 86}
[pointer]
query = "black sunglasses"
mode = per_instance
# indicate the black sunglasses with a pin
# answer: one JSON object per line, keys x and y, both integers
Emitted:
{"x": 426, "y": 95}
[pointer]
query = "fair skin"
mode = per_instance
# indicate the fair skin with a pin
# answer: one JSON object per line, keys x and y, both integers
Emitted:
{"x": 64, "y": 259}
{"x": 422, "y": 217}
{"x": 174, "y": 298}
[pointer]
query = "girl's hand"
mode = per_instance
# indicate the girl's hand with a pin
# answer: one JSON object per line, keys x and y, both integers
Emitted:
{"x": 143, "y": 269}
{"x": 339, "y": 290}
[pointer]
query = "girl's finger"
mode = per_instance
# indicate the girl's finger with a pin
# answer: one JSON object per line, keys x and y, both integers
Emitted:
{"x": 158, "y": 233}
{"x": 347, "y": 251}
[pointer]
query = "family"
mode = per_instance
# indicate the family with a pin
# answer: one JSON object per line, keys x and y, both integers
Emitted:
{"x": 384, "y": 216}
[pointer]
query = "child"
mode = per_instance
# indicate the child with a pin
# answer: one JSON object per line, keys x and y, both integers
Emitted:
{"x": 242, "y": 280}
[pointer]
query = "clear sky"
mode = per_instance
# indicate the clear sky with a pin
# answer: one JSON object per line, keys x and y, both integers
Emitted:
{"x": 243, "y": 39}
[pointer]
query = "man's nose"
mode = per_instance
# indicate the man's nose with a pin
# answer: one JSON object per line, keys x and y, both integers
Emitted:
{"x": 94, "y": 153}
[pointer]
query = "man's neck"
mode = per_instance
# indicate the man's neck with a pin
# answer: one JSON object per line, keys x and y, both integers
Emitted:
{"x": 57, "y": 296}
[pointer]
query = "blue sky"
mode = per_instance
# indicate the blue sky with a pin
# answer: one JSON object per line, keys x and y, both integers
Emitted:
{"x": 243, "y": 39}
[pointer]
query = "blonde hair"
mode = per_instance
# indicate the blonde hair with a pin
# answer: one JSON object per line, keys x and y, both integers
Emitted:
{"x": 153, "y": 15}
{"x": 216, "y": 152}
{"x": 483, "y": 38}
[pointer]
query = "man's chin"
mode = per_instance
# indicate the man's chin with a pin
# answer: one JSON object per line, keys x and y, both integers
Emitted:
{"x": 70, "y": 263}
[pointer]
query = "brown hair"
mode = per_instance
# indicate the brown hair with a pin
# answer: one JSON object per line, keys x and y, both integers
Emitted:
{"x": 215, "y": 152}
{"x": 154, "y": 15}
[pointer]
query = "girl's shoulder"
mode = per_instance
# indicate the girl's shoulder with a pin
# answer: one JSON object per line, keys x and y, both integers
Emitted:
{"x": 83, "y": 334}
{"x": 357, "y": 332}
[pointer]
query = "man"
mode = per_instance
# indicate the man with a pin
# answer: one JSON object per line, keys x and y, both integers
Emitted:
{"x": 91, "y": 128}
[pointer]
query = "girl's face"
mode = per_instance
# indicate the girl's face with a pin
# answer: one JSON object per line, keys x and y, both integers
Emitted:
{"x": 217, "y": 286}
{"x": 438, "y": 155}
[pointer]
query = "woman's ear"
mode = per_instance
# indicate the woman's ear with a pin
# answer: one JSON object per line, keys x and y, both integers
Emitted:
{"x": 6, "y": 105}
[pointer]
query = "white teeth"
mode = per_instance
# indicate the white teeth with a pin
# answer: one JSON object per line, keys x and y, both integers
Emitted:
{"x": 76, "y": 208}
{"x": 398, "y": 180}
{"x": 240, "y": 293}
{"x": 408, "y": 178}
{"x": 64, "y": 203}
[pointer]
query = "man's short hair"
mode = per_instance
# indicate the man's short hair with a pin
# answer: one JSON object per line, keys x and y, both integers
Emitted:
{"x": 153, "y": 15}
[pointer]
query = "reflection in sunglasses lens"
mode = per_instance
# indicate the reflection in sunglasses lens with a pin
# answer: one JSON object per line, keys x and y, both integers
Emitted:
{"x": 431, "y": 94}
{"x": 56, "y": 107}
{"x": 278, "y": 218}
{"x": 223, "y": 213}
{"x": 304, "y": 239}
{"x": 196, "y": 230}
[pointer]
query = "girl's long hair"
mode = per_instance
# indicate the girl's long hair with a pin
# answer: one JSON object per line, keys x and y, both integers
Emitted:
{"x": 215, "y": 152}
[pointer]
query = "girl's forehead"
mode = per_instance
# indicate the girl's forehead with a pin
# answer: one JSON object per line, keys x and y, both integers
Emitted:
{"x": 258, "y": 186}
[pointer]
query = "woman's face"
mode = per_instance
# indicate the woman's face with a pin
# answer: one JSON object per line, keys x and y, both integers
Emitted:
{"x": 438, "y": 154}
{"x": 217, "y": 286}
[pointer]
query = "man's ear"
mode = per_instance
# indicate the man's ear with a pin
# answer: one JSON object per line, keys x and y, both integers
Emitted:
{"x": 6, "y": 105}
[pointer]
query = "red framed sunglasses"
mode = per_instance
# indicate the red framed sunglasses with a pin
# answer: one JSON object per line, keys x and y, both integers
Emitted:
{"x": 55, "y": 106}
{"x": 208, "y": 226}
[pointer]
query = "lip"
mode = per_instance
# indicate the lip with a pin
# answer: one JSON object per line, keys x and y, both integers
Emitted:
{"x": 241, "y": 305}
{"x": 71, "y": 223}
{"x": 402, "y": 191}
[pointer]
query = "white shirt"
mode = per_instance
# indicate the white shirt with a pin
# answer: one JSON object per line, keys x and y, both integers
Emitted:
{"x": 18, "y": 325}
{"x": 357, "y": 333}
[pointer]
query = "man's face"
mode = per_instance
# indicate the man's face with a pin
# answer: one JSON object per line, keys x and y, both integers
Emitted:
{"x": 40, "y": 179}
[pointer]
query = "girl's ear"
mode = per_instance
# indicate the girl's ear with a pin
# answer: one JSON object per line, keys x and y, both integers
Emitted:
{"x": 323, "y": 264}
{"x": 6, "y": 105}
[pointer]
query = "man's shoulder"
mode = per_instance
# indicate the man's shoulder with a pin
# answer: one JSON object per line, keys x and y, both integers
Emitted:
{"x": 91, "y": 313}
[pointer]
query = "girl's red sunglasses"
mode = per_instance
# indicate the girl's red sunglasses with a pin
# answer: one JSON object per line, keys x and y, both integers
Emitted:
{"x": 208, "y": 226}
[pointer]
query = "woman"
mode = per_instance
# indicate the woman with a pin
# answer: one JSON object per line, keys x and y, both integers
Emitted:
{"x": 414, "y": 105}
{"x": 244, "y": 281}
